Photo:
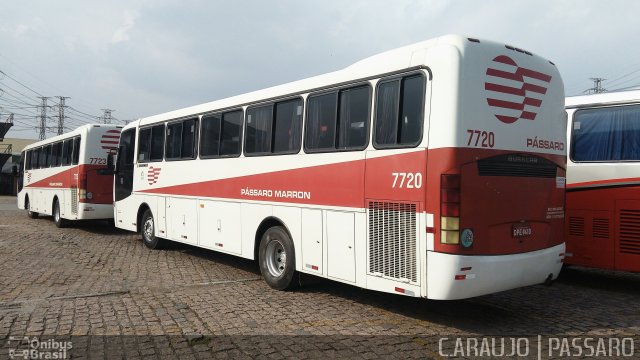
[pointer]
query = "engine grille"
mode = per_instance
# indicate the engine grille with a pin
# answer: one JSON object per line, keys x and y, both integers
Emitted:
{"x": 600, "y": 228}
{"x": 74, "y": 200}
{"x": 576, "y": 226}
{"x": 393, "y": 240}
{"x": 630, "y": 231}
{"x": 517, "y": 165}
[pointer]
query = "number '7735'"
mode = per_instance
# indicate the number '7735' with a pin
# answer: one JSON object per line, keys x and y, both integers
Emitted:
{"x": 404, "y": 180}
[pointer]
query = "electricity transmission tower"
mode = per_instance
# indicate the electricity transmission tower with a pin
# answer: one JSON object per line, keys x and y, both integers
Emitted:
{"x": 597, "y": 86}
{"x": 106, "y": 118}
{"x": 43, "y": 118}
{"x": 61, "y": 107}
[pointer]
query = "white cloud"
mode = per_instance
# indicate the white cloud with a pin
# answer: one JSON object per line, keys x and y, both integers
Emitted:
{"x": 122, "y": 33}
{"x": 160, "y": 55}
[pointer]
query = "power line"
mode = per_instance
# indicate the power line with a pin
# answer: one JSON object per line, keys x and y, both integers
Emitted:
{"x": 23, "y": 85}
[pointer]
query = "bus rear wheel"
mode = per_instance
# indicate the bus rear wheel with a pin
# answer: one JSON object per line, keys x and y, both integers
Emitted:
{"x": 57, "y": 217}
{"x": 148, "y": 231}
{"x": 276, "y": 257}
{"x": 30, "y": 214}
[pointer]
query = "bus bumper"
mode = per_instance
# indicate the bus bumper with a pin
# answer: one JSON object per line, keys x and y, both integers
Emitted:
{"x": 87, "y": 211}
{"x": 457, "y": 276}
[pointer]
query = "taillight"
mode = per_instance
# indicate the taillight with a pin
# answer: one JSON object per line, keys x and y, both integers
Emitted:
{"x": 82, "y": 187}
{"x": 450, "y": 208}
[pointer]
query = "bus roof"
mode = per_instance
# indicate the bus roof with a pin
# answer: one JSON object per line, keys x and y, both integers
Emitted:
{"x": 72, "y": 133}
{"x": 385, "y": 62}
{"x": 608, "y": 98}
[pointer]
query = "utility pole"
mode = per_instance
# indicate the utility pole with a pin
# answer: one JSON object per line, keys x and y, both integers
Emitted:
{"x": 597, "y": 86}
{"x": 43, "y": 118}
{"x": 106, "y": 118}
{"x": 61, "y": 107}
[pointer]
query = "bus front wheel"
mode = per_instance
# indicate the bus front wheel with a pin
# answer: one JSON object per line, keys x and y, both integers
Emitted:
{"x": 276, "y": 257}
{"x": 30, "y": 214}
{"x": 148, "y": 231}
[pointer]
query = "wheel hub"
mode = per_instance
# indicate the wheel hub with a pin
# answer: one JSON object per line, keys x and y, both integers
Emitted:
{"x": 276, "y": 258}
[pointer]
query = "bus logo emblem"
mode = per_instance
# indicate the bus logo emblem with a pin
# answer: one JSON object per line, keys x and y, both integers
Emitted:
{"x": 153, "y": 174}
{"x": 109, "y": 141}
{"x": 514, "y": 88}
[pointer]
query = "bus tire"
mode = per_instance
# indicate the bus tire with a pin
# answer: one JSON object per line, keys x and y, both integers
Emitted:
{"x": 30, "y": 214}
{"x": 57, "y": 217}
{"x": 276, "y": 257}
{"x": 147, "y": 230}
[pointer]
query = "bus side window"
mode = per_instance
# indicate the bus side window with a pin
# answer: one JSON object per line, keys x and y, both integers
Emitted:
{"x": 144, "y": 145}
{"x": 47, "y": 156}
{"x": 353, "y": 117}
{"x": 56, "y": 153}
{"x": 606, "y": 134}
{"x": 174, "y": 141}
{"x": 399, "y": 112}
{"x": 76, "y": 151}
{"x": 67, "y": 147}
{"x": 35, "y": 162}
{"x": 157, "y": 143}
{"x": 189, "y": 136}
{"x": 210, "y": 135}
{"x": 320, "y": 127}
{"x": 338, "y": 120}
{"x": 231, "y": 133}
{"x": 287, "y": 126}
{"x": 27, "y": 160}
{"x": 258, "y": 130}
{"x": 221, "y": 134}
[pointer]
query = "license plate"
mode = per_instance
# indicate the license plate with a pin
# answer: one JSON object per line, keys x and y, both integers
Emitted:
{"x": 520, "y": 230}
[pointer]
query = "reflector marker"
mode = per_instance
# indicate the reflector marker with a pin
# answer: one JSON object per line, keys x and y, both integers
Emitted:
{"x": 404, "y": 291}
{"x": 312, "y": 267}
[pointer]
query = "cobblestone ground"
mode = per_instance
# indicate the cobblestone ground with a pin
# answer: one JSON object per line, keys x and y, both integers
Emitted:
{"x": 90, "y": 282}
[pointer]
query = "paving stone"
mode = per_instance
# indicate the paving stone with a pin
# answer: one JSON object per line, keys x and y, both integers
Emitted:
{"x": 93, "y": 280}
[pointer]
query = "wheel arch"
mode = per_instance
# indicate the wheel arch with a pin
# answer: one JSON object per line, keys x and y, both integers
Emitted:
{"x": 53, "y": 204}
{"x": 143, "y": 207}
{"x": 267, "y": 223}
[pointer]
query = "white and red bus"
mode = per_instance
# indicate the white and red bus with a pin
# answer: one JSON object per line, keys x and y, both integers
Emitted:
{"x": 434, "y": 170}
{"x": 59, "y": 176}
{"x": 603, "y": 181}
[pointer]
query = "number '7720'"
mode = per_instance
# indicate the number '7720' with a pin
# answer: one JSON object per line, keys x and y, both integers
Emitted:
{"x": 404, "y": 180}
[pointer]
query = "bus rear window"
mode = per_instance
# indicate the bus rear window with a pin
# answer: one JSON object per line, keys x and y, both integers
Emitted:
{"x": 606, "y": 134}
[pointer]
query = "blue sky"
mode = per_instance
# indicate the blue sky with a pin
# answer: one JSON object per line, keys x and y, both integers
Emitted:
{"x": 143, "y": 57}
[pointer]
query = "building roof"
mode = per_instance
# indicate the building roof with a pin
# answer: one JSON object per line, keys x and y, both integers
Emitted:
{"x": 17, "y": 144}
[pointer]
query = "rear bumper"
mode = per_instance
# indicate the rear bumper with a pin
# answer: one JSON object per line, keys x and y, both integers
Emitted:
{"x": 87, "y": 211}
{"x": 489, "y": 274}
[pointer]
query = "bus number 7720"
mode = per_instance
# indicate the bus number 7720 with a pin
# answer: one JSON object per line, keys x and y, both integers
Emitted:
{"x": 407, "y": 180}
{"x": 488, "y": 138}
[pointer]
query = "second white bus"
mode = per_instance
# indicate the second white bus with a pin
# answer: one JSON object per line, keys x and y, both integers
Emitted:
{"x": 434, "y": 170}
{"x": 59, "y": 176}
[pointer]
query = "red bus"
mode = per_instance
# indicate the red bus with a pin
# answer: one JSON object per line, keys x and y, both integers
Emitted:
{"x": 603, "y": 181}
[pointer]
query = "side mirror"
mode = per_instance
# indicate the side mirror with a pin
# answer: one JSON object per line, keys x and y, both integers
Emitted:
{"x": 110, "y": 161}
{"x": 110, "y": 169}
{"x": 14, "y": 170}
